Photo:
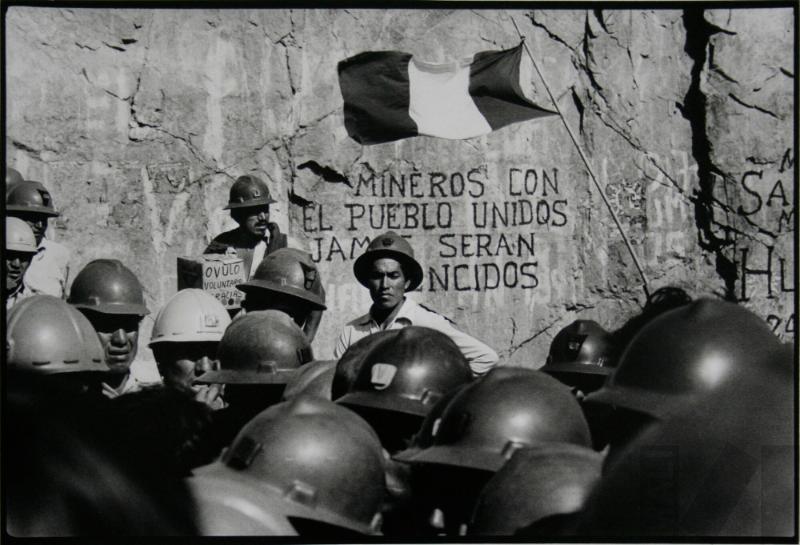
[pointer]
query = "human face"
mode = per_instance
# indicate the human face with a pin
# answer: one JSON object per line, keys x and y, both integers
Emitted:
{"x": 36, "y": 221}
{"x": 254, "y": 219}
{"x": 16, "y": 265}
{"x": 387, "y": 283}
{"x": 181, "y": 362}
{"x": 119, "y": 335}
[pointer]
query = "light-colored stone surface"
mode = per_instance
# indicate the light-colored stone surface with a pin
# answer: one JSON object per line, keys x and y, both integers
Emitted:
{"x": 139, "y": 120}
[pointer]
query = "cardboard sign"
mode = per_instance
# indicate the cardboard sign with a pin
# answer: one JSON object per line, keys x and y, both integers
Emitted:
{"x": 216, "y": 274}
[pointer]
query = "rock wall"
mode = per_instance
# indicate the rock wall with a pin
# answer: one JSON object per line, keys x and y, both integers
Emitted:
{"x": 139, "y": 120}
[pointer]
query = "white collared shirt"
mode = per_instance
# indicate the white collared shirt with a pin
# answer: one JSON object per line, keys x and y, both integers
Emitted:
{"x": 481, "y": 357}
{"x": 49, "y": 269}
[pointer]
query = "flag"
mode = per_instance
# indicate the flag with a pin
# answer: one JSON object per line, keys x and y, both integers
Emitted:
{"x": 389, "y": 95}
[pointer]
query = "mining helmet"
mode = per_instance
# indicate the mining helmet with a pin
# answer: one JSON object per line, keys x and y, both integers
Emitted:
{"x": 234, "y": 507}
{"x": 409, "y": 373}
{"x": 46, "y": 335}
{"x": 389, "y": 244}
{"x": 507, "y": 409}
{"x": 108, "y": 287}
{"x": 191, "y": 315}
{"x": 722, "y": 466}
{"x": 19, "y": 236}
{"x": 29, "y": 196}
{"x": 692, "y": 349}
{"x": 261, "y": 347}
{"x": 536, "y": 483}
{"x": 248, "y": 190}
{"x": 349, "y": 365}
{"x": 290, "y": 272}
{"x": 581, "y": 347}
{"x": 313, "y": 378}
{"x": 13, "y": 177}
{"x": 318, "y": 455}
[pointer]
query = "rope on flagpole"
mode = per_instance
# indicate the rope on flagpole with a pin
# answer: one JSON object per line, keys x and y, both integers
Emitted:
{"x": 585, "y": 161}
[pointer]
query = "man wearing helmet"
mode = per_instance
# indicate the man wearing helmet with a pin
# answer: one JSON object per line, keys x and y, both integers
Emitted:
{"x": 287, "y": 280}
{"x": 112, "y": 298}
{"x": 31, "y": 202}
{"x": 256, "y": 236}
{"x": 185, "y": 338}
{"x": 388, "y": 269}
{"x": 20, "y": 249}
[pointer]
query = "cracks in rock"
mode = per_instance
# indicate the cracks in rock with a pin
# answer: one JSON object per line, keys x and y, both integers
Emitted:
{"x": 578, "y": 106}
{"x": 698, "y": 36}
{"x": 326, "y": 173}
{"x": 84, "y": 46}
{"x": 297, "y": 200}
{"x": 514, "y": 347}
{"x": 715, "y": 68}
{"x": 286, "y": 41}
{"x": 36, "y": 153}
{"x": 753, "y": 106}
{"x": 114, "y": 47}
{"x": 577, "y": 56}
{"x": 786, "y": 72}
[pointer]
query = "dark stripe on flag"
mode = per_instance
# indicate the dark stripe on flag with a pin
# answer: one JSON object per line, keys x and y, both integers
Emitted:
{"x": 376, "y": 95}
{"x": 494, "y": 86}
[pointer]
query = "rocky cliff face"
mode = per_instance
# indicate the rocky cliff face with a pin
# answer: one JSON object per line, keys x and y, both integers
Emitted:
{"x": 139, "y": 120}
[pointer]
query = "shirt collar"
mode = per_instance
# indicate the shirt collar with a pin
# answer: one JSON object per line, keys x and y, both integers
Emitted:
{"x": 406, "y": 311}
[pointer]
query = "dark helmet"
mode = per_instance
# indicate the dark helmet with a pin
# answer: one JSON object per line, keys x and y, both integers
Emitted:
{"x": 534, "y": 484}
{"x": 349, "y": 365}
{"x": 29, "y": 196}
{"x": 686, "y": 351}
{"x": 13, "y": 177}
{"x": 109, "y": 287}
{"x": 409, "y": 373}
{"x": 262, "y": 347}
{"x": 389, "y": 244}
{"x": 506, "y": 409}
{"x": 723, "y": 466}
{"x": 581, "y": 347}
{"x": 290, "y": 272}
{"x": 248, "y": 190}
{"x": 321, "y": 457}
{"x": 46, "y": 335}
{"x": 313, "y": 378}
{"x": 234, "y": 507}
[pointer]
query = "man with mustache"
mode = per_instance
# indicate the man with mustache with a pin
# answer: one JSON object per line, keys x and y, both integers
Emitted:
{"x": 20, "y": 249}
{"x": 31, "y": 202}
{"x": 111, "y": 297}
{"x": 388, "y": 269}
{"x": 256, "y": 236}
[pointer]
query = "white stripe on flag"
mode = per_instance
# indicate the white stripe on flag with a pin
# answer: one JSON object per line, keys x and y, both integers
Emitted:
{"x": 440, "y": 103}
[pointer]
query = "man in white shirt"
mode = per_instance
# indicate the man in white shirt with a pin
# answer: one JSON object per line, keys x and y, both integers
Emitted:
{"x": 388, "y": 269}
{"x": 20, "y": 249}
{"x": 31, "y": 202}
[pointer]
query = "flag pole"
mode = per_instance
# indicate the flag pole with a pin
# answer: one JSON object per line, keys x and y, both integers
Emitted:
{"x": 585, "y": 161}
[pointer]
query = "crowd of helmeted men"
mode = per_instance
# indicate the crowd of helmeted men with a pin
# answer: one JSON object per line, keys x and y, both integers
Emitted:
{"x": 679, "y": 423}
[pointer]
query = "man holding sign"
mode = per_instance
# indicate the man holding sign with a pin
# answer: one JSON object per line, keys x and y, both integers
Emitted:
{"x": 388, "y": 269}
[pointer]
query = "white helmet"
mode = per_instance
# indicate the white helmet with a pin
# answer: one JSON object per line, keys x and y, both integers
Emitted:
{"x": 19, "y": 236}
{"x": 191, "y": 315}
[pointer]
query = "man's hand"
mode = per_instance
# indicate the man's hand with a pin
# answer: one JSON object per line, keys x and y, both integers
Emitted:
{"x": 210, "y": 395}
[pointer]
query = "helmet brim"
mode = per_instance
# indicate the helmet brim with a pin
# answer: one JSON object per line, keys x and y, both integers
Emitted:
{"x": 287, "y": 507}
{"x": 376, "y": 400}
{"x": 656, "y": 404}
{"x": 253, "y": 284}
{"x": 255, "y": 202}
{"x": 231, "y": 376}
{"x": 117, "y": 309}
{"x": 35, "y": 209}
{"x": 21, "y": 248}
{"x": 576, "y": 368}
{"x": 187, "y": 338}
{"x": 411, "y": 266}
{"x": 452, "y": 455}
